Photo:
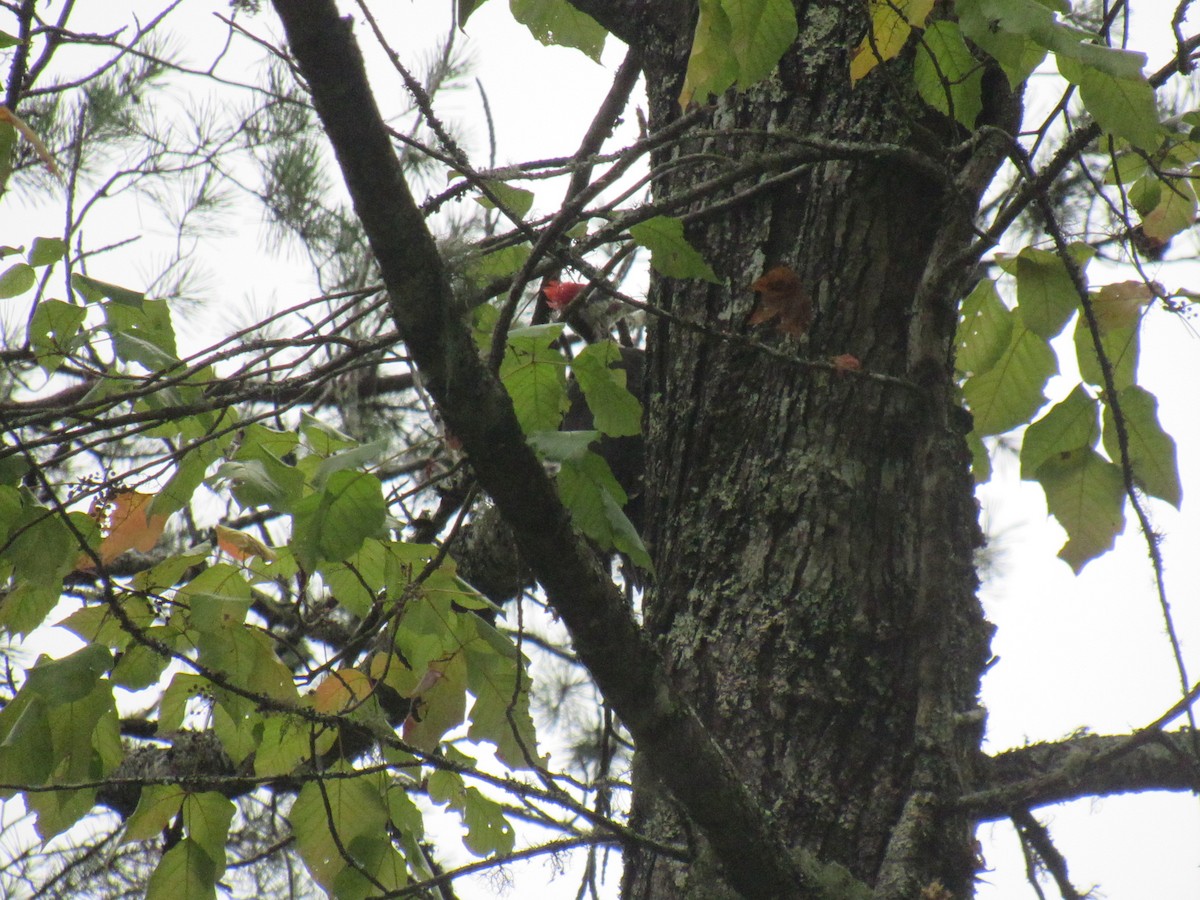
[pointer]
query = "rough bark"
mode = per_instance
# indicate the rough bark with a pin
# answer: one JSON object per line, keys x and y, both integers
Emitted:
{"x": 813, "y": 534}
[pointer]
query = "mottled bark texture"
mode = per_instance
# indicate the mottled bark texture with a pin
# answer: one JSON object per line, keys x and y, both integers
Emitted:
{"x": 813, "y": 534}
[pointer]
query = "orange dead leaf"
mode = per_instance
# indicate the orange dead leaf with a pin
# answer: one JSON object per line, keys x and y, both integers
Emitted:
{"x": 844, "y": 362}
{"x": 242, "y": 546}
{"x": 7, "y": 115}
{"x": 342, "y": 691}
{"x": 126, "y": 524}
{"x": 782, "y": 295}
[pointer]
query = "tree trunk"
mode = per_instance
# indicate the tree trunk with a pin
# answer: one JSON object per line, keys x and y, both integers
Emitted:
{"x": 813, "y": 532}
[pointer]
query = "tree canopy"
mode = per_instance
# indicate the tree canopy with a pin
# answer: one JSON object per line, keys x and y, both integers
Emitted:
{"x": 291, "y": 592}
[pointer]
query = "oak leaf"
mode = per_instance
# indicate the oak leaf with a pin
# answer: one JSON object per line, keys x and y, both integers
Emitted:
{"x": 782, "y": 295}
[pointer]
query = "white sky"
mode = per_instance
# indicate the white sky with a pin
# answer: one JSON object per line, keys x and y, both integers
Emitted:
{"x": 1074, "y": 652}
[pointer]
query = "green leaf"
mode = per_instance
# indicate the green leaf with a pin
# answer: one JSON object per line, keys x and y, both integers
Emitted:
{"x": 1145, "y": 194}
{"x": 984, "y": 329}
{"x": 378, "y": 568}
{"x": 157, "y": 806}
{"x": 41, "y": 549}
{"x": 466, "y": 8}
{"x": 581, "y": 485}
{"x": 1080, "y": 45}
{"x": 54, "y": 332}
{"x": 948, "y": 77}
{"x": 595, "y": 498}
{"x": 17, "y": 279}
{"x": 236, "y": 724}
{"x": 488, "y": 831}
{"x": 615, "y": 411}
{"x": 558, "y": 22}
{"x": 216, "y": 600}
{"x": 1151, "y": 450}
{"x": 46, "y": 251}
{"x": 533, "y": 373}
{"x": 142, "y": 333}
{"x": 1121, "y": 348}
{"x": 500, "y": 713}
{"x": 712, "y": 67}
{"x": 186, "y": 872}
{"x": 1123, "y": 107}
{"x": 94, "y": 291}
{"x": 98, "y": 624}
{"x": 761, "y": 31}
{"x": 357, "y": 813}
{"x": 320, "y": 437}
{"x": 624, "y": 536}
{"x": 497, "y": 264}
{"x": 189, "y": 473}
{"x": 1086, "y": 494}
{"x": 85, "y": 747}
{"x": 516, "y": 201}
{"x": 1073, "y": 424}
{"x": 1045, "y": 293}
{"x": 8, "y": 40}
{"x": 72, "y": 677}
{"x": 285, "y": 744}
{"x": 332, "y": 523}
{"x": 248, "y": 657}
{"x": 26, "y": 745}
{"x": 351, "y": 459}
{"x": 1173, "y": 212}
{"x": 444, "y": 786}
{"x": 206, "y": 818}
{"x": 167, "y": 573}
{"x": 1008, "y": 394}
{"x": 670, "y": 252}
{"x": 138, "y": 668}
{"x": 428, "y": 632}
{"x": 265, "y": 481}
{"x": 1017, "y": 54}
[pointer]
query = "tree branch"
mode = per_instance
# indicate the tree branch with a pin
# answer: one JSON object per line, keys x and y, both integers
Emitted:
{"x": 1087, "y": 766}
{"x": 628, "y": 671}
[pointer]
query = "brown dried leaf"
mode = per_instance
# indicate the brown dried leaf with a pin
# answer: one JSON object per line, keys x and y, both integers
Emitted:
{"x": 1120, "y": 305}
{"x": 7, "y": 115}
{"x": 782, "y": 295}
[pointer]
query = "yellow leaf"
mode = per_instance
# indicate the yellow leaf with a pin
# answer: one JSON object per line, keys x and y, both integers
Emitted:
{"x": 891, "y": 23}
